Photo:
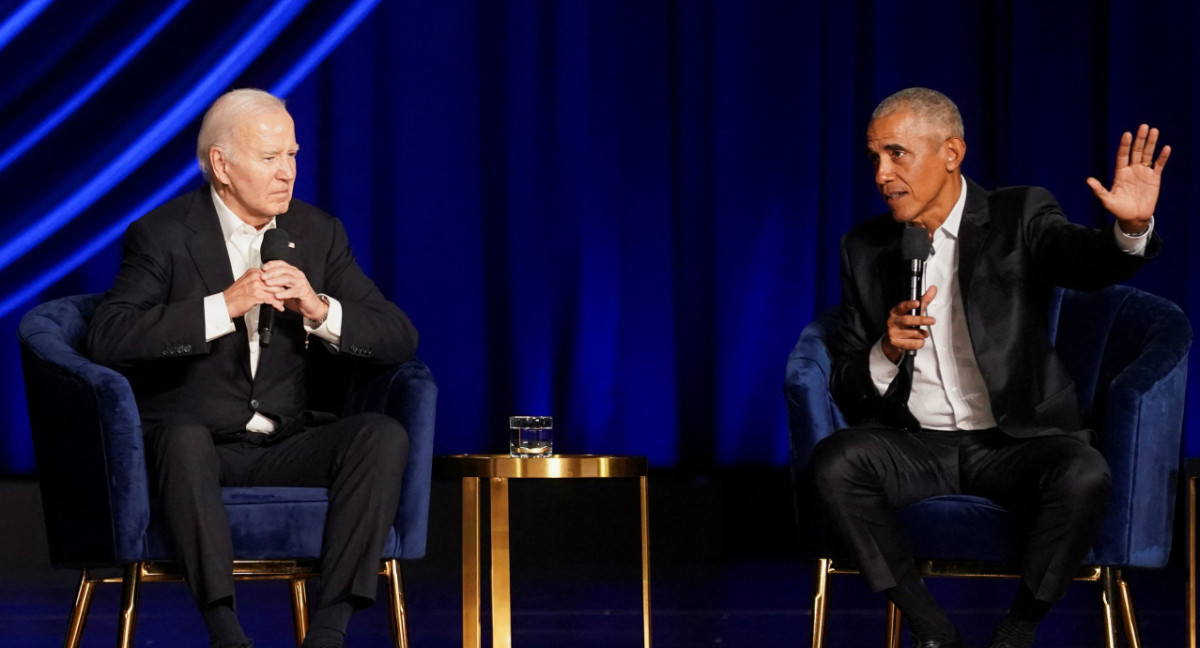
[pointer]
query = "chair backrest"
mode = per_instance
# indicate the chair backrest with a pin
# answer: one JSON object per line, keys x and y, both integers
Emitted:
{"x": 1127, "y": 352}
{"x": 87, "y": 439}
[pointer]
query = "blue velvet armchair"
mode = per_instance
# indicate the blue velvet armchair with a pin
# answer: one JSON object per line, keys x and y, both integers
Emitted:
{"x": 1127, "y": 352}
{"x": 96, "y": 495}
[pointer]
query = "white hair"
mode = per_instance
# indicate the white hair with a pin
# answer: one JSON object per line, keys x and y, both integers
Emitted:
{"x": 223, "y": 117}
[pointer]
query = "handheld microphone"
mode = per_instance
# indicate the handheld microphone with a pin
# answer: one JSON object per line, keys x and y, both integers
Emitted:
{"x": 276, "y": 246}
{"x": 915, "y": 247}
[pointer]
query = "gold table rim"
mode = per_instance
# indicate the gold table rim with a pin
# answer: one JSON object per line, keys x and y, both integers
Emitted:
{"x": 555, "y": 467}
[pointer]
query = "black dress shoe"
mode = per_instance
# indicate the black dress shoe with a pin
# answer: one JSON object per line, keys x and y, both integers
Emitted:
{"x": 956, "y": 642}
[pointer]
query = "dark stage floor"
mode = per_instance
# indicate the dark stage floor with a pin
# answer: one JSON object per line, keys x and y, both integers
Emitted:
{"x": 723, "y": 574}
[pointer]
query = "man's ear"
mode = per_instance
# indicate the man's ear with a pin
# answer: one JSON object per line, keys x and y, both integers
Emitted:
{"x": 954, "y": 150}
{"x": 219, "y": 164}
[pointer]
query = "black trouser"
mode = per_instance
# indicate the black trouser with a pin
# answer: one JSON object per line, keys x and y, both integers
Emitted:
{"x": 1059, "y": 485}
{"x": 361, "y": 460}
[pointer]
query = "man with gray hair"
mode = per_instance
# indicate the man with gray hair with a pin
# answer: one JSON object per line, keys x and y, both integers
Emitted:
{"x": 984, "y": 407}
{"x": 222, "y": 396}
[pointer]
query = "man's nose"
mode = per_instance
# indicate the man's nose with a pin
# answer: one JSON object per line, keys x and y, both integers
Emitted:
{"x": 884, "y": 172}
{"x": 287, "y": 170}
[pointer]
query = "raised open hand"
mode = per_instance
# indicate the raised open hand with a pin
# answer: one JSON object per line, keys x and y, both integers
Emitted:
{"x": 1136, "y": 180}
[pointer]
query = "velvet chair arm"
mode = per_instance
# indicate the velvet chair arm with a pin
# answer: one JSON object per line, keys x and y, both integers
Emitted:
{"x": 1127, "y": 351}
{"x": 812, "y": 416}
{"x": 88, "y": 440}
{"x": 408, "y": 393}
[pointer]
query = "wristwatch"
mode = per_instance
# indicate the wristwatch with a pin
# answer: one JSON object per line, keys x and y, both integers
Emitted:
{"x": 314, "y": 323}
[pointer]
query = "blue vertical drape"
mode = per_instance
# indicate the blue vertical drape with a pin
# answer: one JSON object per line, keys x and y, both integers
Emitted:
{"x": 617, "y": 212}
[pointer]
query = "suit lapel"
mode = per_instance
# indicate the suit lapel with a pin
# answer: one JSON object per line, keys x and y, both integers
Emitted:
{"x": 892, "y": 269}
{"x": 972, "y": 235}
{"x": 207, "y": 244}
{"x": 207, "y": 247}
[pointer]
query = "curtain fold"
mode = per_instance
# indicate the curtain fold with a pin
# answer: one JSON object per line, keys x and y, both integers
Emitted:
{"x": 619, "y": 213}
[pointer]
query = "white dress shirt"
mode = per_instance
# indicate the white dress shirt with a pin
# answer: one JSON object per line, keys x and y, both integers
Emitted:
{"x": 243, "y": 243}
{"x": 948, "y": 391}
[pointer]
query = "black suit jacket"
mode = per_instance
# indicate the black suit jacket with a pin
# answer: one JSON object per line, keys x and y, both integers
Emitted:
{"x": 151, "y": 324}
{"x": 1015, "y": 246}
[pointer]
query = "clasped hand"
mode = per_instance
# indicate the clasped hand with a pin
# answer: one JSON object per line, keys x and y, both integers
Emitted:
{"x": 906, "y": 331}
{"x": 277, "y": 284}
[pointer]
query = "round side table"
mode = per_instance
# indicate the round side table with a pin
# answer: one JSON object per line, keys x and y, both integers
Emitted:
{"x": 497, "y": 470}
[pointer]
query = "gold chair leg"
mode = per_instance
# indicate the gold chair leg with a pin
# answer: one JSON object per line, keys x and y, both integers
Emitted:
{"x": 1109, "y": 595}
{"x": 130, "y": 586}
{"x": 1131, "y": 628}
{"x": 893, "y": 625}
{"x": 398, "y": 615}
{"x": 645, "y": 509}
{"x": 299, "y": 608}
{"x": 83, "y": 601}
{"x": 820, "y": 602}
{"x": 1191, "y": 561}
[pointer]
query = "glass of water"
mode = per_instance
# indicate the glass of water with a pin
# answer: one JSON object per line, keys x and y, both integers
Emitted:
{"x": 530, "y": 436}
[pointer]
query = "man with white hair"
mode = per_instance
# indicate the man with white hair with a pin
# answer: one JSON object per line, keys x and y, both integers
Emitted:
{"x": 225, "y": 403}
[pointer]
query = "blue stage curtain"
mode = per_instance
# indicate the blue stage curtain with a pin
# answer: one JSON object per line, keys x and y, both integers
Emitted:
{"x": 617, "y": 212}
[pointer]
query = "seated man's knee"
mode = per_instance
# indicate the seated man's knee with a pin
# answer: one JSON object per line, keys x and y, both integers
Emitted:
{"x": 1085, "y": 477}
{"x": 181, "y": 452}
{"x": 384, "y": 434}
{"x": 178, "y": 438}
{"x": 835, "y": 460}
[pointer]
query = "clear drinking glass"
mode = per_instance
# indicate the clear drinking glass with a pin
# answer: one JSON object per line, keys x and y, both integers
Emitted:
{"x": 530, "y": 436}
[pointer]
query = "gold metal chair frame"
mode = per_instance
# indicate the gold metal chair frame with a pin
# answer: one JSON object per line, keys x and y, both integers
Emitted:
{"x": 1114, "y": 591}
{"x": 1191, "y": 557}
{"x": 495, "y": 471}
{"x": 294, "y": 571}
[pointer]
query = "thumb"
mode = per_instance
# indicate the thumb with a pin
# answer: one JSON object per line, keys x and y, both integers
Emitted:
{"x": 928, "y": 296}
{"x": 1097, "y": 188}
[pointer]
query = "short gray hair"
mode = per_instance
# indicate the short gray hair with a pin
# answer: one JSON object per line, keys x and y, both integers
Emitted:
{"x": 223, "y": 116}
{"x": 930, "y": 106}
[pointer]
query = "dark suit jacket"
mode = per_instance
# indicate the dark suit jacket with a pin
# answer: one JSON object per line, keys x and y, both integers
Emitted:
{"x": 151, "y": 324}
{"x": 1015, "y": 246}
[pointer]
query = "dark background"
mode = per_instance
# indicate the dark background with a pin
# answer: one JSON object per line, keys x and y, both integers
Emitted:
{"x": 618, "y": 213}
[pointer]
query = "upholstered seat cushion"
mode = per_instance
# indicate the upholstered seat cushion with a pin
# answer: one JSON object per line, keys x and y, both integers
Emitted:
{"x": 941, "y": 523}
{"x": 268, "y": 523}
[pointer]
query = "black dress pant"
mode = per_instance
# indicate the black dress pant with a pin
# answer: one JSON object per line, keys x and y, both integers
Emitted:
{"x": 1057, "y": 485}
{"x": 360, "y": 459}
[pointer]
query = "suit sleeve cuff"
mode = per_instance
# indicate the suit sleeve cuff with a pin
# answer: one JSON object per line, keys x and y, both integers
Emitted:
{"x": 217, "y": 322}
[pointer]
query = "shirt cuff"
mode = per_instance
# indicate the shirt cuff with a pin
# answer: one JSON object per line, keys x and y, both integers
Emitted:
{"x": 217, "y": 322}
{"x": 1135, "y": 245}
{"x": 331, "y": 329}
{"x": 882, "y": 369}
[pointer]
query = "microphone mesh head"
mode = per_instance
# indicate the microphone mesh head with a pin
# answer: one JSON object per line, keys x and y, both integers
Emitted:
{"x": 914, "y": 244}
{"x": 275, "y": 245}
